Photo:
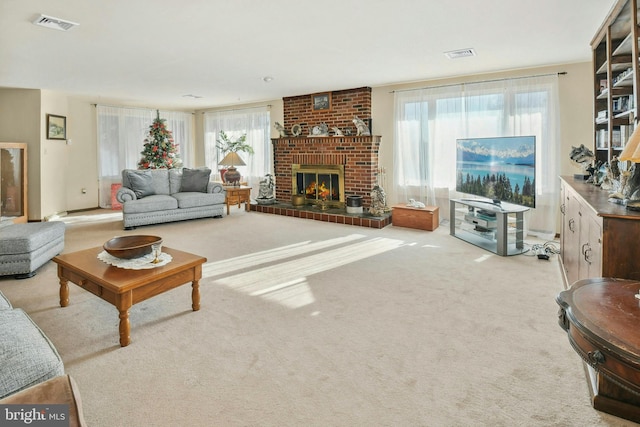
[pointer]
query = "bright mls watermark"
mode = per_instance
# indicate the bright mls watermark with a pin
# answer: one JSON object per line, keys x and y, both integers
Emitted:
{"x": 34, "y": 415}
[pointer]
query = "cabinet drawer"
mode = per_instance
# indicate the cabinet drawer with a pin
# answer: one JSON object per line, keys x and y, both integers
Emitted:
{"x": 605, "y": 361}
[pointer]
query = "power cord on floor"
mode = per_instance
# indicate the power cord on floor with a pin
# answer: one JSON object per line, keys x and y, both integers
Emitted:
{"x": 543, "y": 251}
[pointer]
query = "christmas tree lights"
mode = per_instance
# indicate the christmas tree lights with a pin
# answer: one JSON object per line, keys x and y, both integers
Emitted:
{"x": 160, "y": 152}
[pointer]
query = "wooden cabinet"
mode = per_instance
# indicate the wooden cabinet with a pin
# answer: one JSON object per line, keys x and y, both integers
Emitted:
{"x": 598, "y": 238}
{"x": 13, "y": 182}
{"x": 616, "y": 79}
{"x": 583, "y": 238}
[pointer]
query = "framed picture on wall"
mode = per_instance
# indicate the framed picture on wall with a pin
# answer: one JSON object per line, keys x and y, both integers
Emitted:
{"x": 321, "y": 101}
{"x": 56, "y": 127}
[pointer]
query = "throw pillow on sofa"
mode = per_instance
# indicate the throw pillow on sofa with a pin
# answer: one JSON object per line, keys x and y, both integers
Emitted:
{"x": 195, "y": 180}
{"x": 141, "y": 183}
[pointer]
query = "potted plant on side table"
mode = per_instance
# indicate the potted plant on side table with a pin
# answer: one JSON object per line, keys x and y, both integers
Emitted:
{"x": 231, "y": 159}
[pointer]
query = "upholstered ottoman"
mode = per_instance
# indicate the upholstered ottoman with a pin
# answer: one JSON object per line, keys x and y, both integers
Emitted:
{"x": 27, "y": 357}
{"x": 26, "y": 247}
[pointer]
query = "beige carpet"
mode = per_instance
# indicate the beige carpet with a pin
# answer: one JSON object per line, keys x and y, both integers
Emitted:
{"x": 305, "y": 323}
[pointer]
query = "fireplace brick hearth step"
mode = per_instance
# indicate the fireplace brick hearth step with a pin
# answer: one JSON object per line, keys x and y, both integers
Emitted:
{"x": 336, "y": 215}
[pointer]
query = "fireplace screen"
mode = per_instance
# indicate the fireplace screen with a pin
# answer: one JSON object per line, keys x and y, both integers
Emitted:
{"x": 319, "y": 183}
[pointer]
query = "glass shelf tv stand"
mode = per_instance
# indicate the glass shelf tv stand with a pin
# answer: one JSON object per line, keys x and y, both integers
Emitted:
{"x": 496, "y": 228}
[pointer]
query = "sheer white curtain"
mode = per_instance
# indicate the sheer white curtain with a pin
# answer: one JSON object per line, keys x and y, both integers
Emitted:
{"x": 428, "y": 122}
{"x": 121, "y": 134}
{"x": 256, "y": 123}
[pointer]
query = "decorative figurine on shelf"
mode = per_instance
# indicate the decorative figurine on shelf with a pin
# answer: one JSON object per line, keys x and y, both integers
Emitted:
{"x": 320, "y": 130}
{"x": 337, "y": 131}
{"x": 281, "y": 130}
{"x": 378, "y": 201}
{"x": 361, "y": 128}
{"x": 607, "y": 179}
{"x": 265, "y": 194}
{"x": 582, "y": 157}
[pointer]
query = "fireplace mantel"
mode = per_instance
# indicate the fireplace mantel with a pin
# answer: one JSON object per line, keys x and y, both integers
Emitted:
{"x": 358, "y": 154}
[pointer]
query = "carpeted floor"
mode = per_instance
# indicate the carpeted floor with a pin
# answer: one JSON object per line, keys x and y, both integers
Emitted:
{"x": 305, "y": 323}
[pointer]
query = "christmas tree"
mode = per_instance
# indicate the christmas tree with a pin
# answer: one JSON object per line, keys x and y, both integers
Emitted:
{"x": 159, "y": 150}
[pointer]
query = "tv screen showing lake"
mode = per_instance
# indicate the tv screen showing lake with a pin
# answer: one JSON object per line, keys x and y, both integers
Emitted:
{"x": 497, "y": 168}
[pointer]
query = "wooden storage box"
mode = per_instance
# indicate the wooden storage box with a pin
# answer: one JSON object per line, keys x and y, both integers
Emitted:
{"x": 426, "y": 218}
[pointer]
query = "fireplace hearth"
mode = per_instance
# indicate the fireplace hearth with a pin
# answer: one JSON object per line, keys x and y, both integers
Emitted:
{"x": 335, "y": 215}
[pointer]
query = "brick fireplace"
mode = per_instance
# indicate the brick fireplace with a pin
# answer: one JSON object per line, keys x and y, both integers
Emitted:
{"x": 357, "y": 155}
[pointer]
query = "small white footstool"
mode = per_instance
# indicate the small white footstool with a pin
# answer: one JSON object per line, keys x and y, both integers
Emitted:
{"x": 26, "y": 247}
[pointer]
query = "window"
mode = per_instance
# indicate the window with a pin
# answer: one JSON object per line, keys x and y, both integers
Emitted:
{"x": 256, "y": 124}
{"x": 428, "y": 122}
{"x": 121, "y": 134}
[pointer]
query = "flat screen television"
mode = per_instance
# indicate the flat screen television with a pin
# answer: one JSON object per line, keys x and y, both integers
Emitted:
{"x": 502, "y": 169}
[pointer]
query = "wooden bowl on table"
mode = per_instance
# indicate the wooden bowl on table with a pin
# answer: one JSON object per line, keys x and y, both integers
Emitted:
{"x": 128, "y": 247}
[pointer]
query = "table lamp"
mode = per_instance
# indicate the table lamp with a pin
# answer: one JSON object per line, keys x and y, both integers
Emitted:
{"x": 232, "y": 176}
{"x": 632, "y": 148}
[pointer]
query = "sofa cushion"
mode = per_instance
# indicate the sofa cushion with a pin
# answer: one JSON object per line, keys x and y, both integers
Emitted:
{"x": 175, "y": 180}
{"x": 195, "y": 179}
{"x": 195, "y": 199}
{"x": 141, "y": 182}
{"x": 27, "y": 356}
{"x": 157, "y": 202}
{"x": 160, "y": 181}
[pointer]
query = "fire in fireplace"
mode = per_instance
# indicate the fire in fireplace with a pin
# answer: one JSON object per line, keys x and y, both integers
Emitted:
{"x": 319, "y": 183}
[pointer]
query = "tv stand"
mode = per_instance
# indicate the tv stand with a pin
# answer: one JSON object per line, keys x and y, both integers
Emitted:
{"x": 496, "y": 228}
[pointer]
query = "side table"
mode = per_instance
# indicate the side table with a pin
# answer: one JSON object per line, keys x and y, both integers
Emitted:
{"x": 236, "y": 195}
{"x": 601, "y": 318}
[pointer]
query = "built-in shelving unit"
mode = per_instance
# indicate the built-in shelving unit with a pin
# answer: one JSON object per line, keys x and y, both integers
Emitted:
{"x": 616, "y": 79}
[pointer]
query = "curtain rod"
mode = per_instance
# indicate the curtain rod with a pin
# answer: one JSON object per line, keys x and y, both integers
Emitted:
{"x": 236, "y": 109}
{"x": 141, "y": 108}
{"x": 560, "y": 73}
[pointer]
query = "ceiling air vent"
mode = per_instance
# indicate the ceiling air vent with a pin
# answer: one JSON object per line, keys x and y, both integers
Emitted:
{"x": 54, "y": 23}
{"x": 462, "y": 53}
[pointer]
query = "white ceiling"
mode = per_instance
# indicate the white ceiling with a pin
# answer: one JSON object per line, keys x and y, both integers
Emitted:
{"x": 151, "y": 53}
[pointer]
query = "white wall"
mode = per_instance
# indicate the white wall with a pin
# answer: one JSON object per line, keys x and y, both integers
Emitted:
{"x": 54, "y": 163}
{"x": 82, "y": 156}
{"x": 20, "y": 122}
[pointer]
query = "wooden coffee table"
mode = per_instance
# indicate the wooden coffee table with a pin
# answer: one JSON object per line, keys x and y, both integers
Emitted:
{"x": 123, "y": 287}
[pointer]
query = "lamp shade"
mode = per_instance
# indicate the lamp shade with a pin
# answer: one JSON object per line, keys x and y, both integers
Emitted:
{"x": 632, "y": 149}
{"x": 232, "y": 159}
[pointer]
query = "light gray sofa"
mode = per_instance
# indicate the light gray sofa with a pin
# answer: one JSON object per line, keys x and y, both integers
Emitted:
{"x": 27, "y": 357}
{"x": 153, "y": 196}
{"x": 31, "y": 370}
